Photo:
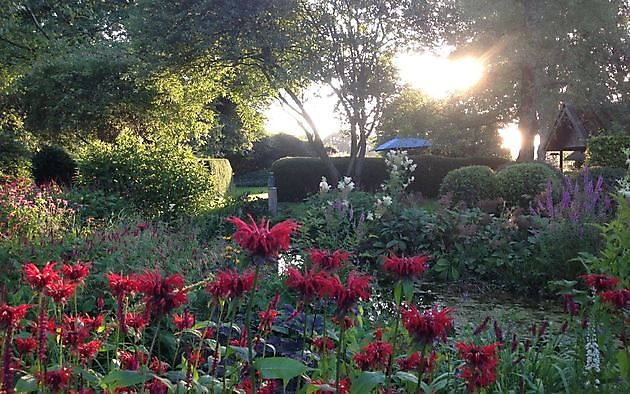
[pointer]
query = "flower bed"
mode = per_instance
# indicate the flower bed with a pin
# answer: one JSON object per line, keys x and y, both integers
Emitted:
{"x": 152, "y": 332}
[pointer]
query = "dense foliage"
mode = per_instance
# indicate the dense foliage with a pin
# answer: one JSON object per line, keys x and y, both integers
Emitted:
{"x": 607, "y": 150}
{"x": 520, "y": 183}
{"x": 53, "y": 164}
{"x": 162, "y": 180}
{"x": 470, "y": 184}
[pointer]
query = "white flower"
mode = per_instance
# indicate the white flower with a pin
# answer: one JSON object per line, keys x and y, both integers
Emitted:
{"x": 324, "y": 187}
{"x": 369, "y": 216}
{"x": 592, "y": 353}
{"x": 387, "y": 201}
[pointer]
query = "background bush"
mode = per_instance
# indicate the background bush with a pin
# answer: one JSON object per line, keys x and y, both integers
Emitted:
{"x": 610, "y": 176}
{"x": 470, "y": 184}
{"x": 53, "y": 164}
{"x": 606, "y": 150}
{"x": 267, "y": 150}
{"x": 161, "y": 180}
{"x": 298, "y": 177}
{"x": 221, "y": 174}
{"x": 520, "y": 183}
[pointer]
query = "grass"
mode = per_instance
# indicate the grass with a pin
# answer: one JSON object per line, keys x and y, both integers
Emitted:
{"x": 257, "y": 191}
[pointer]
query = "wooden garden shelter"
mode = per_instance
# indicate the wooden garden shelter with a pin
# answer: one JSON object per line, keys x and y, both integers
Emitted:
{"x": 567, "y": 134}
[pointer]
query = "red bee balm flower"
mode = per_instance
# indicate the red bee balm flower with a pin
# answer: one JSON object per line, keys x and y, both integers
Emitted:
{"x": 312, "y": 283}
{"x": 39, "y": 279}
{"x": 405, "y": 267}
{"x": 357, "y": 287}
{"x": 481, "y": 363}
{"x": 618, "y": 298}
{"x": 121, "y": 285}
{"x": 77, "y": 272}
{"x": 327, "y": 260}
{"x": 56, "y": 380}
{"x": 161, "y": 294}
{"x": 261, "y": 241}
{"x": 60, "y": 291}
{"x": 184, "y": 321}
{"x": 25, "y": 345}
{"x": 375, "y": 355}
{"x": 88, "y": 351}
{"x": 600, "y": 282}
{"x": 229, "y": 284}
{"x": 427, "y": 326}
{"x": 10, "y": 316}
{"x": 417, "y": 362}
{"x": 320, "y": 345}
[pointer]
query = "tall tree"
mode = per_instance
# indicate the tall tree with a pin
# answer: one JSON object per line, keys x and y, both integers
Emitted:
{"x": 541, "y": 52}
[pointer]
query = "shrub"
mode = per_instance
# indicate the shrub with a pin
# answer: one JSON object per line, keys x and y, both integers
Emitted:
{"x": 520, "y": 183}
{"x": 160, "y": 179}
{"x": 607, "y": 150}
{"x": 53, "y": 164}
{"x": 221, "y": 174}
{"x": 15, "y": 160}
{"x": 298, "y": 177}
{"x": 470, "y": 184}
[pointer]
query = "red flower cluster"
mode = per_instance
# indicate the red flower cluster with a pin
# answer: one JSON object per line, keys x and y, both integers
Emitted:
{"x": 161, "y": 294}
{"x": 10, "y": 316}
{"x": 76, "y": 273}
{"x": 77, "y": 329}
{"x": 25, "y": 345}
{"x": 229, "y": 284}
{"x": 357, "y": 288}
{"x": 121, "y": 285}
{"x": 327, "y": 260}
{"x": 320, "y": 345}
{"x": 617, "y": 298}
{"x": 48, "y": 280}
{"x": 481, "y": 363}
{"x": 375, "y": 355}
{"x": 344, "y": 386}
{"x": 56, "y": 380}
{"x": 417, "y": 362}
{"x": 312, "y": 283}
{"x": 261, "y": 241}
{"x": 427, "y": 326}
{"x": 600, "y": 282}
{"x": 184, "y": 321}
{"x": 405, "y": 267}
{"x": 40, "y": 279}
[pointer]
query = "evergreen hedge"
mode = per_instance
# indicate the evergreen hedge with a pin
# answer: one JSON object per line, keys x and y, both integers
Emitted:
{"x": 298, "y": 177}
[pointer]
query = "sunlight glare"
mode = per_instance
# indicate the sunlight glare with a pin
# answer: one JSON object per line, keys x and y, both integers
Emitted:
{"x": 512, "y": 138}
{"x": 438, "y": 76}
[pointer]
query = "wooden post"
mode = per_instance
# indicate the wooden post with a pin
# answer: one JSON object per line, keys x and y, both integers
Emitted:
{"x": 272, "y": 193}
{"x": 561, "y": 160}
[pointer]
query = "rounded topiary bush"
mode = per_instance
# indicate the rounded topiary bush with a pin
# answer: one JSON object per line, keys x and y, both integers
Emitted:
{"x": 53, "y": 164}
{"x": 519, "y": 183}
{"x": 470, "y": 184}
{"x": 162, "y": 180}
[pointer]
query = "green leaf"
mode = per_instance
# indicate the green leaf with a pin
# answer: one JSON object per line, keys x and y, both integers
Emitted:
{"x": 120, "y": 378}
{"x": 279, "y": 368}
{"x": 26, "y": 384}
{"x": 407, "y": 377}
{"x": 408, "y": 289}
{"x": 367, "y": 381}
{"x": 398, "y": 292}
{"x": 623, "y": 359}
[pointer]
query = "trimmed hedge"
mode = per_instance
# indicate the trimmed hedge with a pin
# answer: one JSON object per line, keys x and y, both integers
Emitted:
{"x": 606, "y": 150}
{"x": 298, "y": 177}
{"x": 53, "y": 164}
{"x": 220, "y": 173}
{"x": 470, "y": 184}
{"x": 161, "y": 180}
{"x": 519, "y": 183}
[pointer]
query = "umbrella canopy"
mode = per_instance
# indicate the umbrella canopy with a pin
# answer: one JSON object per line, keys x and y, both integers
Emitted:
{"x": 403, "y": 144}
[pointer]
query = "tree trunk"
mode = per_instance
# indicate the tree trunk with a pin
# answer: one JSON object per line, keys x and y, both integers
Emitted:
{"x": 528, "y": 121}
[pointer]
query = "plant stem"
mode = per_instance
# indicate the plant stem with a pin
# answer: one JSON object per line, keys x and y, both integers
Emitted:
{"x": 395, "y": 338}
{"x": 155, "y": 335}
{"x": 340, "y": 352}
{"x": 248, "y": 313}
